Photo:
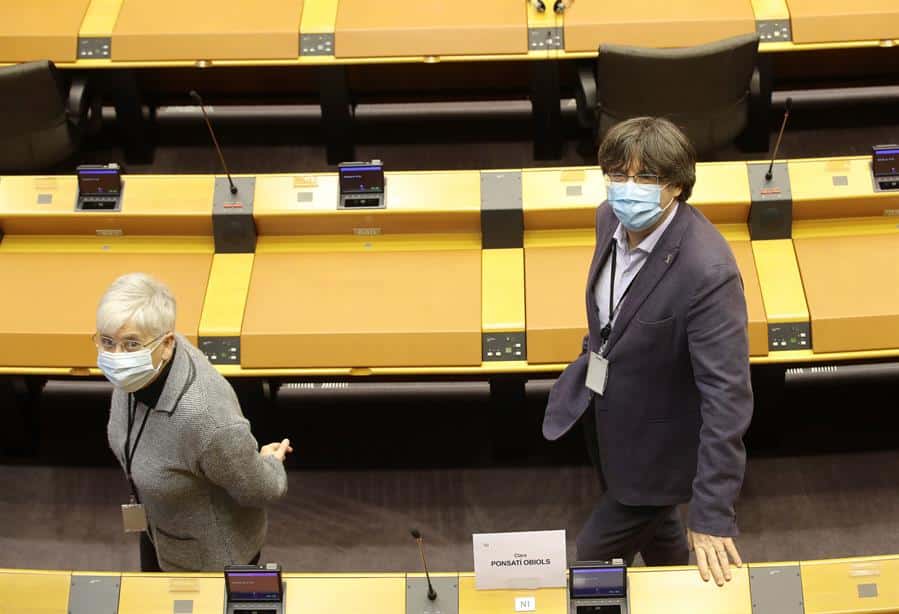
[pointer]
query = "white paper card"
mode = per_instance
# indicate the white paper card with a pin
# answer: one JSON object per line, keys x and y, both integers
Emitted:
{"x": 525, "y": 604}
{"x": 526, "y": 559}
{"x": 597, "y": 373}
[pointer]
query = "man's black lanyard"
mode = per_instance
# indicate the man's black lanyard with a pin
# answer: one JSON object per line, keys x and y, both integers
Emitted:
{"x": 129, "y": 448}
{"x": 606, "y": 330}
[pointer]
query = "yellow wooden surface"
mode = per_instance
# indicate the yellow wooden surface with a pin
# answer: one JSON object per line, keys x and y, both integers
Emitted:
{"x": 780, "y": 281}
{"x": 555, "y": 281}
{"x": 151, "y": 205}
{"x": 157, "y": 593}
{"x": 226, "y": 295}
{"x": 561, "y": 198}
{"x": 416, "y": 202}
{"x": 473, "y": 601}
{"x": 832, "y": 587}
{"x": 430, "y": 28}
{"x": 680, "y": 590}
{"x": 374, "y": 593}
{"x": 655, "y": 23}
{"x": 100, "y": 18}
{"x": 850, "y": 285}
{"x": 319, "y": 16}
{"x": 722, "y": 192}
{"x": 816, "y": 21}
{"x": 34, "y": 592}
{"x": 207, "y": 30}
{"x": 758, "y": 321}
{"x": 36, "y": 331}
{"x": 363, "y": 309}
{"x": 40, "y": 30}
{"x": 502, "y": 290}
{"x": 765, "y": 10}
{"x": 837, "y": 188}
{"x": 856, "y": 227}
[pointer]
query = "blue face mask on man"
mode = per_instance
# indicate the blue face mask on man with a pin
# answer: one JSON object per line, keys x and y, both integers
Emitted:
{"x": 636, "y": 205}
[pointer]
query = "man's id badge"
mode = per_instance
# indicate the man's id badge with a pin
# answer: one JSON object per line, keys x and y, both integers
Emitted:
{"x": 134, "y": 518}
{"x": 597, "y": 373}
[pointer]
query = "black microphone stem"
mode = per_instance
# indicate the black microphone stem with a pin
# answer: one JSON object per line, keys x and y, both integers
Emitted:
{"x": 215, "y": 141}
{"x": 432, "y": 594}
{"x": 783, "y": 124}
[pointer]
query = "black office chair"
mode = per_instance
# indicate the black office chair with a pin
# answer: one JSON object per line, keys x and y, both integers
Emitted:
{"x": 42, "y": 118}
{"x": 715, "y": 92}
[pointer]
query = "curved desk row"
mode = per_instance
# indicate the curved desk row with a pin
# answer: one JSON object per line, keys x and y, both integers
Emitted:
{"x": 133, "y": 33}
{"x": 844, "y": 586}
{"x": 463, "y": 272}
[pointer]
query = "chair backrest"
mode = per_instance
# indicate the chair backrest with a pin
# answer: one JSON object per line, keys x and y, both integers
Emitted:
{"x": 702, "y": 89}
{"x": 34, "y": 131}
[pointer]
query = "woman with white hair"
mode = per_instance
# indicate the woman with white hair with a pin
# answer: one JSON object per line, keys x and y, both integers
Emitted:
{"x": 199, "y": 483}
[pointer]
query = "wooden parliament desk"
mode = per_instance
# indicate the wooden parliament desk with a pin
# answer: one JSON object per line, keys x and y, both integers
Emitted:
{"x": 655, "y": 23}
{"x": 282, "y": 32}
{"x": 40, "y": 29}
{"x": 824, "y": 21}
{"x": 394, "y": 287}
{"x": 847, "y": 247}
{"x": 430, "y": 28}
{"x": 164, "y": 30}
{"x": 409, "y": 290}
{"x": 60, "y": 261}
{"x": 865, "y": 585}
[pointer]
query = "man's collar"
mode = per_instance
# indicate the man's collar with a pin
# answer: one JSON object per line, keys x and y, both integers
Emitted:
{"x": 652, "y": 239}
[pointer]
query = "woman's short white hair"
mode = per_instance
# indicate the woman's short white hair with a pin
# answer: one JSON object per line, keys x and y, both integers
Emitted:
{"x": 139, "y": 300}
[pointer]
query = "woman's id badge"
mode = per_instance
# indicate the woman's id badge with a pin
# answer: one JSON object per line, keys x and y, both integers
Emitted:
{"x": 134, "y": 518}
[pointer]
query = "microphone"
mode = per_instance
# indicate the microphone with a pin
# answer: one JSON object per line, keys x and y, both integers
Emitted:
{"x": 432, "y": 594}
{"x": 787, "y": 106}
{"x": 197, "y": 99}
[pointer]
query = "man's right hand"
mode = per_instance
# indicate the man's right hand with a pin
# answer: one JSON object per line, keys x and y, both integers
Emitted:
{"x": 278, "y": 450}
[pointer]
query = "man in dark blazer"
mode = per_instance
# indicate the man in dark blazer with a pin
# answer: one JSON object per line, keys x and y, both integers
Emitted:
{"x": 662, "y": 385}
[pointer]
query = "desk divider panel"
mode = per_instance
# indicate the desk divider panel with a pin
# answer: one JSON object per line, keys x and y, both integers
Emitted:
{"x": 776, "y": 588}
{"x": 94, "y": 593}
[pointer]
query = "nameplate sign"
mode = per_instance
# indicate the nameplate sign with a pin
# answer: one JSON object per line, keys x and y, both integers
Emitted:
{"x": 527, "y": 559}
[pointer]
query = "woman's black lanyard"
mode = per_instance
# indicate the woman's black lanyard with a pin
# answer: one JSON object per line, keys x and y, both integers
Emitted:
{"x": 606, "y": 330}
{"x": 131, "y": 449}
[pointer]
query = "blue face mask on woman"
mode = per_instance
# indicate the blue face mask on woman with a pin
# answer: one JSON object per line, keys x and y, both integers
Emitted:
{"x": 636, "y": 205}
{"x": 129, "y": 371}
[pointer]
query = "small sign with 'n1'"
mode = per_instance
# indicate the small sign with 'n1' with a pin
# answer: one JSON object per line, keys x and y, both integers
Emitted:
{"x": 525, "y": 604}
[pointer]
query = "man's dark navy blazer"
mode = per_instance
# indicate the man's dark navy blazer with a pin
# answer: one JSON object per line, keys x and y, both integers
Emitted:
{"x": 678, "y": 399}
